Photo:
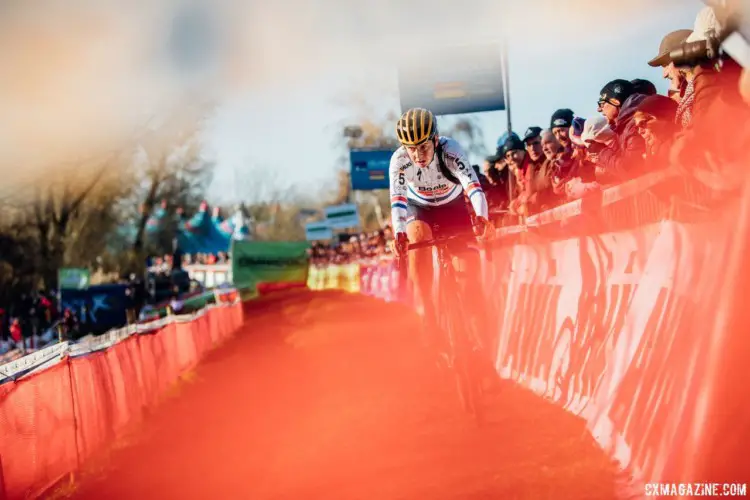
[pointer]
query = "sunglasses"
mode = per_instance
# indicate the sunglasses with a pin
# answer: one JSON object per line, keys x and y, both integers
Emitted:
{"x": 645, "y": 124}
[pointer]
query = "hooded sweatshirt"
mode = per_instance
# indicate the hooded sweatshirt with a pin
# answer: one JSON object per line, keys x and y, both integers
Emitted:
{"x": 623, "y": 160}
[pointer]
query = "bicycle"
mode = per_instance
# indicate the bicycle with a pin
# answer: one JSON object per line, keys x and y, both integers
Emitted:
{"x": 464, "y": 347}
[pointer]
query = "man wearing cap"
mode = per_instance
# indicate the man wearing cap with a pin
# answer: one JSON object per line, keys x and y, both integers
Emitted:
{"x": 532, "y": 140}
{"x": 542, "y": 195}
{"x": 618, "y": 102}
{"x": 672, "y": 41}
{"x": 560, "y": 124}
{"x": 707, "y": 86}
{"x": 711, "y": 108}
{"x": 518, "y": 162}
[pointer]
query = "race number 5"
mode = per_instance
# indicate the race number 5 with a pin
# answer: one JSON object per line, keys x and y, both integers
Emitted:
{"x": 401, "y": 179}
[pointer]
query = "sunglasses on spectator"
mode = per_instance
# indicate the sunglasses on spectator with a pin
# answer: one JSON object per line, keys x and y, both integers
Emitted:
{"x": 601, "y": 103}
{"x": 645, "y": 123}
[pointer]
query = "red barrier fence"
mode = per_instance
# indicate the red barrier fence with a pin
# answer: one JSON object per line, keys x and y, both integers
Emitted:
{"x": 628, "y": 309}
{"x": 52, "y": 420}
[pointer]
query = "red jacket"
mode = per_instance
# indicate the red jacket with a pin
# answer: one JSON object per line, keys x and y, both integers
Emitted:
{"x": 15, "y": 332}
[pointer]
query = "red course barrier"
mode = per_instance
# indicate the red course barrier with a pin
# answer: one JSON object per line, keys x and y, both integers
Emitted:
{"x": 53, "y": 420}
{"x": 628, "y": 309}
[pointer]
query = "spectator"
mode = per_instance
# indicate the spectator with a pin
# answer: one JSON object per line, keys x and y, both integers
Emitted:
{"x": 654, "y": 120}
{"x": 560, "y": 124}
{"x": 618, "y": 103}
{"x": 175, "y": 304}
{"x": 483, "y": 180}
{"x": 644, "y": 87}
{"x": 69, "y": 325}
{"x": 580, "y": 166}
{"x": 542, "y": 195}
{"x": 677, "y": 82}
{"x": 487, "y": 166}
{"x": 550, "y": 146}
{"x": 710, "y": 102}
{"x": 500, "y": 179}
{"x": 16, "y": 334}
{"x": 596, "y": 136}
{"x": 532, "y": 140}
{"x": 517, "y": 159}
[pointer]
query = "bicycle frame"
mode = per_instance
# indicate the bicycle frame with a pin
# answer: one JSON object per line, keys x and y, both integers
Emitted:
{"x": 454, "y": 326}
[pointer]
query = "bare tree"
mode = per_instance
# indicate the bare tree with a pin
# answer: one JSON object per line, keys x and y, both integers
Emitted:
{"x": 55, "y": 207}
{"x": 169, "y": 166}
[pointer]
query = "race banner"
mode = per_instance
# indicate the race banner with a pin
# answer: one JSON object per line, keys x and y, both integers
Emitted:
{"x": 460, "y": 80}
{"x": 369, "y": 168}
{"x": 99, "y": 308}
{"x": 255, "y": 262}
{"x": 318, "y": 231}
{"x": 344, "y": 216}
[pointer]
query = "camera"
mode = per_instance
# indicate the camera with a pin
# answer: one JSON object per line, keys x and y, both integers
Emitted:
{"x": 699, "y": 52}
{"x": 733, "y": 17}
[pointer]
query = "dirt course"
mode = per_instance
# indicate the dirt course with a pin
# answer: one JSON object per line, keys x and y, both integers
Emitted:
{"x": 329, "y": 396}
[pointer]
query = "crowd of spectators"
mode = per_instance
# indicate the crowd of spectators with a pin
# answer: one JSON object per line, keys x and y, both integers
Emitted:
{"x": 352, "y": 248}
{"x": 205, "y": 258}
{"x": 636, "y": 131}
{"x": 164, "y": 264}
{"x": 25, "y": 320}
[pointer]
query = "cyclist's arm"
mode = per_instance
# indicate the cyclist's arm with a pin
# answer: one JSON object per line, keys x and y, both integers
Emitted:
{"x": 398, "y": 195}
{"x": 464, "y": 172}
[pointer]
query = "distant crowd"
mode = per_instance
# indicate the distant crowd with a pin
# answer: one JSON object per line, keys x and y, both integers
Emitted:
{"x": 352, "y": 248}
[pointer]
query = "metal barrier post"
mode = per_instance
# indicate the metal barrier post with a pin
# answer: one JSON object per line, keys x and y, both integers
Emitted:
{"x": 3, "y": 493}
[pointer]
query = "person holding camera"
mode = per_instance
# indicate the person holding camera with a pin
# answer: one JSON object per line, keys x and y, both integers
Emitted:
{"x": 708, "y": 79}
{"x": 712, "y": 108}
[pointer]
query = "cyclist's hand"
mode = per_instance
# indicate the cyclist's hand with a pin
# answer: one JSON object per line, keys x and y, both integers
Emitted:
{"x": 484, "y": 228}
{"x": 400, "y": 244}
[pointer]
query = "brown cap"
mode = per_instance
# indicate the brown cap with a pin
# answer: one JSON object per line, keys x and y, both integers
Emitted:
{"x": 670, "y": 42}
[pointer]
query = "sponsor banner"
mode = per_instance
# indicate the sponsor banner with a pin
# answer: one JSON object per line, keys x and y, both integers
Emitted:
{"x": 369, "y": 168}
{"x": 344, "y": 216}
{"x": 255, "y": 262}
{"x": 99, "y": 308}
{"x": 459, "y": 80}
{"x": 318, "y": 231}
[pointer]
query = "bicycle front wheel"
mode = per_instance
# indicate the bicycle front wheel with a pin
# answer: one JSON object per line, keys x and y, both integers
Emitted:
{"x": 467, "y": 381}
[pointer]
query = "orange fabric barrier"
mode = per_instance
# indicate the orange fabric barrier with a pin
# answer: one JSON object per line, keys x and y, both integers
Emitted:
{"x": 53, "y": 420}
{"x": 628, "y": 308}
{"x": 619, "y": 328}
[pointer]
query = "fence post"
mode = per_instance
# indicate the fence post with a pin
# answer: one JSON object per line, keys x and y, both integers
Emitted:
{"x": 75, "y": 413}
{"x": 3, "y": 492}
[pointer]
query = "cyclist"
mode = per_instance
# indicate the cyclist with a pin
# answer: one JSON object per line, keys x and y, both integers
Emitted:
{"x": 429, "y": 175}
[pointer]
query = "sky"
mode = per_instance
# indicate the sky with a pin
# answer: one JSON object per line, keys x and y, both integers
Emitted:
{"x": 292, "y": 129}
{"x": 85, "y": 79}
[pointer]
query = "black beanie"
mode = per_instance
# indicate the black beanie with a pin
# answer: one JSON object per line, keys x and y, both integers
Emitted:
{"x": 513, "y": 144}
{"x": 644, "y": 87}
{"x": 561, "y": 118}
{"x": 616, "y": 92}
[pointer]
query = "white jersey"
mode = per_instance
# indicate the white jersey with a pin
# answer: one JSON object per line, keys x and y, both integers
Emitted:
{"x": 428, "y": 187}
